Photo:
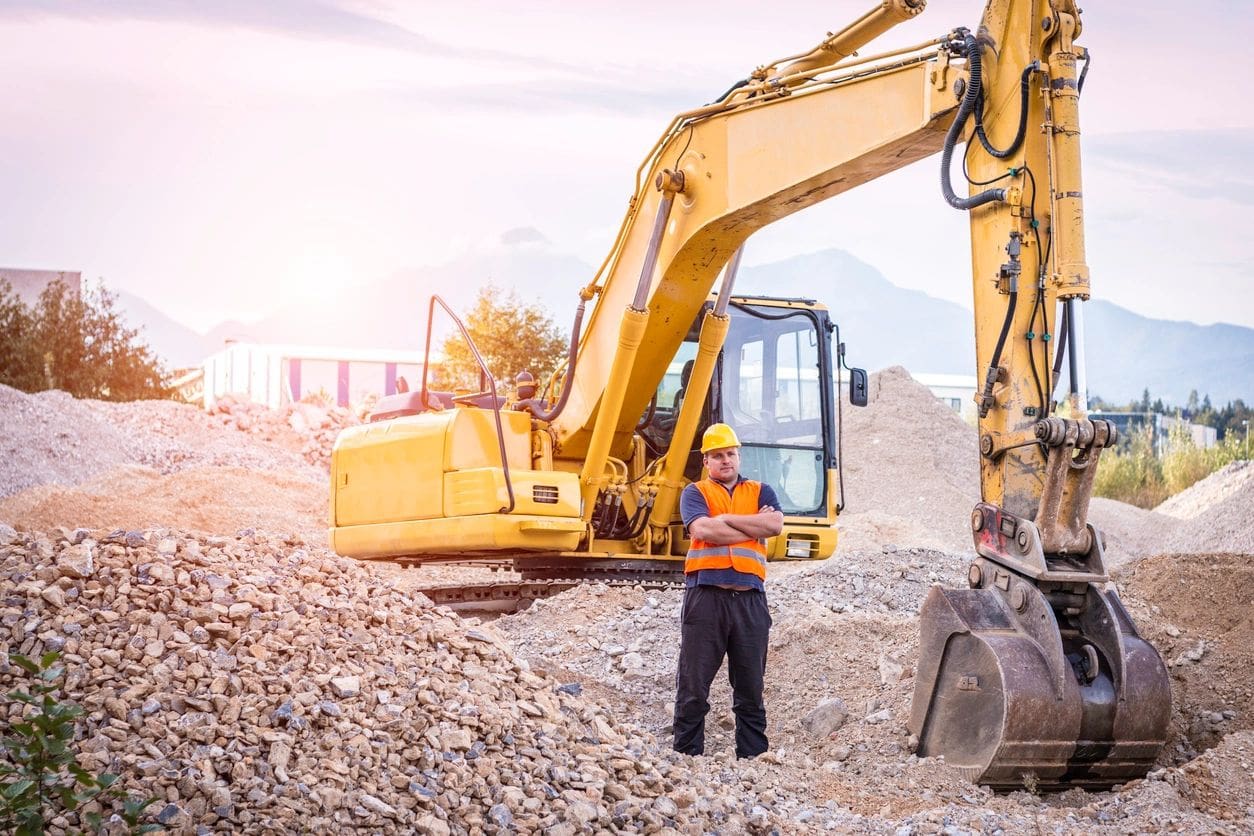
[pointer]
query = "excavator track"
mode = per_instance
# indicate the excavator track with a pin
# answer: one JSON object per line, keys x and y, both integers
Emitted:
{"x": 546, "y": 578}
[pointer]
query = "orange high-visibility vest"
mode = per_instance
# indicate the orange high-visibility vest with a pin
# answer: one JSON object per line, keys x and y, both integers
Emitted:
{"x": 748, "y": 556}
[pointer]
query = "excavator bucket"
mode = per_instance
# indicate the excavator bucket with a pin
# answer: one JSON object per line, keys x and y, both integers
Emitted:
{"x": 1037, "y": 684}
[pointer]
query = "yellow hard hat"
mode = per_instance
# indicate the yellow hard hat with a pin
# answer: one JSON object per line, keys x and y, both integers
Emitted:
{"x": 717, "y": 437}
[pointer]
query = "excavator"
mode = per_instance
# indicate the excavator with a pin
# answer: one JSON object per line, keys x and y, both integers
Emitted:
{"x": 1032, "y": 675}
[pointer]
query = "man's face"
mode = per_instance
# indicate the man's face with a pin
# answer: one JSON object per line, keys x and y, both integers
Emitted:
{"x": 723, "y": 464}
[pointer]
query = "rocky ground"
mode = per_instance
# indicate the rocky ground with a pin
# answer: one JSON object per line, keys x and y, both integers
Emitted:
{"x": 257, "y": 683}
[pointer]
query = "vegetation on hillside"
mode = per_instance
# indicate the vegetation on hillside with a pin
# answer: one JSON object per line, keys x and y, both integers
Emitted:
{"x": 1136, "y": 474}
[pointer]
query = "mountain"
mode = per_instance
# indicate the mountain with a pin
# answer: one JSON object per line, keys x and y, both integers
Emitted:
{"x": 881, "y": 324}
{"x": 1128, "y": 353}
{"x": 175, "y": 343}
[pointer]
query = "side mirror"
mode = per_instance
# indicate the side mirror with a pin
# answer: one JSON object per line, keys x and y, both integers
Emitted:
{"x": 857, "y": 387}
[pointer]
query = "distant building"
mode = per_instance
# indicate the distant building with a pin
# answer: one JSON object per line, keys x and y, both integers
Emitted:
{"x": 956, "y": 391}
{"x": 1160, "y": 428}
{"x": 28, "y": 284}
{"x": 276, "y": 375}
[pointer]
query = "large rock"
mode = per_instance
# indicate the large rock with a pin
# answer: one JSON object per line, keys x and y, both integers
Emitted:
{"x": 826, "y": 718}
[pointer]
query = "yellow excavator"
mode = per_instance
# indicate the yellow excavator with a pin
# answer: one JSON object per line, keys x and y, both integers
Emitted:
{"x": 1035, "y": 674}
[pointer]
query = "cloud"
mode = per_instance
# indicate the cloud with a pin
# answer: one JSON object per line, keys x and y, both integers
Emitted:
{"x": 1198, "y": 164}
{"x": 298, "y": 18}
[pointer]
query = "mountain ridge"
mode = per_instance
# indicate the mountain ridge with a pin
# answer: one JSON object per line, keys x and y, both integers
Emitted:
{"x": 881, "y": 323}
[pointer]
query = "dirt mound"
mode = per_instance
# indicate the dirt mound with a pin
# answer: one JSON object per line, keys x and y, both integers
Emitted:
{"x": 1218, "y": 782}
{"x": 1195, "y": 609}
{"x": 52, "y": 438}
{"x": 909, "y": 456}
{"x": 213, "y": 500}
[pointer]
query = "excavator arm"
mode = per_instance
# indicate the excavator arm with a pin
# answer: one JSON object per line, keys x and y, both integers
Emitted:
{"x": 1035, "y": 674}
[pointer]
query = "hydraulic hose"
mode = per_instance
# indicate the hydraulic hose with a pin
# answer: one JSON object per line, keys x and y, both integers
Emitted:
{"x": 971, "y": 48}
{"x": 533, "y": 405}
{"x": 1060, "y": 351}
{"x": 1025, "y": 83}
{"x": 991, "y": 378}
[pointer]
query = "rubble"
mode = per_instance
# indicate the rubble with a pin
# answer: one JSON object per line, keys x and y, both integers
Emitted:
{"x": 258, "y": 682}
{"x": 308, "y": 426}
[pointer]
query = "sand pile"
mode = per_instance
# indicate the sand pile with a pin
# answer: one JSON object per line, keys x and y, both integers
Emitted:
{"x": 205, "y": 499}
{"x": 1217, "y": 513}
{"x": 908, "y": 456}
{"x": 252, "y": 684}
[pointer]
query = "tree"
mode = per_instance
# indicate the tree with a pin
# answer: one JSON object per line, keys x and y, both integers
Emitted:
{"x": 77, "y": 343}
{"x": 20, "y": 365}
{"x": 511, "y": 335}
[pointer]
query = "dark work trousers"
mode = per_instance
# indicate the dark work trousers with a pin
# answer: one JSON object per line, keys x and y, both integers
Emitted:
{"x": 720, "y": 622}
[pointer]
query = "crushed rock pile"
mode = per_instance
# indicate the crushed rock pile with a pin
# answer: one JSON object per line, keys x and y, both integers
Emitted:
{"x": 307, "y": 426}
{"x": 53, "y": 438}
{"x": 254, "y": 685}
{"x": 1217, "y": 513}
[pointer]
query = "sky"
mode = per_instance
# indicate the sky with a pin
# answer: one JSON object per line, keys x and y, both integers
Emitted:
{"x": 220, "y": 158}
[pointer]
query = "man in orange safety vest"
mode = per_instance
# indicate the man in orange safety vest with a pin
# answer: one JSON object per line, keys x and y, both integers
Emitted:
{"x": 724, "y": 612}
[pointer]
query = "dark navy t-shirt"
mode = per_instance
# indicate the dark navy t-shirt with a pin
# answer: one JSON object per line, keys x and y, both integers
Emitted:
{"x": 692, "y": 505}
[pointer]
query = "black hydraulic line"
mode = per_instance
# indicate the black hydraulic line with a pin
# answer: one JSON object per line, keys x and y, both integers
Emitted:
{"x": 1088, "y": 59}
{"x": 1073, "y": 359}
{"x": 1031, "y": 335}
{"x": 971, "y": 48}
{"x": 1061, "y": 351}
{"x": 991, "y": 378}
{"x": 730, "y": 90}
{"x": 649, "y": 413}
{"x": 1025, "y": 83}
{"x": 534, "y": 405}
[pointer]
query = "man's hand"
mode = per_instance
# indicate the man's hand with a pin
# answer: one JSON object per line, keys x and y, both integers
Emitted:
{"x": 767, "y": 522}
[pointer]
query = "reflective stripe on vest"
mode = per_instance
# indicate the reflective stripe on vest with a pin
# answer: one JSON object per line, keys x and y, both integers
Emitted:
{"x": 748, "y": 556}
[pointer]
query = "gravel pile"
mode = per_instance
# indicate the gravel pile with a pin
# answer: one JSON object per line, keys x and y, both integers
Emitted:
{"x": 307, "y": 426}
{"x": 1217, "y": 513}
{"x": 52, "y": 438}
{"x": 255, "y": 684}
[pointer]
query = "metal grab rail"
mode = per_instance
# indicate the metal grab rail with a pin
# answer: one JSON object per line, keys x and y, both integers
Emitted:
{"x": 483, "y": 373}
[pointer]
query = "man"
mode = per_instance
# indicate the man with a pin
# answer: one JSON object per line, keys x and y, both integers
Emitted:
{"x": 724, "y": 613}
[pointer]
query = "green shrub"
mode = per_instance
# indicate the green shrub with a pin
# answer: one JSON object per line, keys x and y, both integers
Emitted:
{"x": 40, "y": 777}
{"x": 1132, "y": 474}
